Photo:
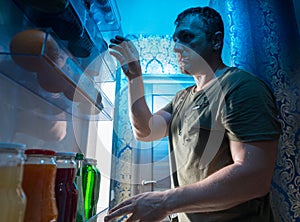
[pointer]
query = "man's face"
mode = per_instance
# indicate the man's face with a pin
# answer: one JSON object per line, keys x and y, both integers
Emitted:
{"x": 191, "y": 46}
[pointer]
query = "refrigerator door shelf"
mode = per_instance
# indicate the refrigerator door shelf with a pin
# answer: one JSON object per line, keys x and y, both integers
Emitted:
{"x": 80, "y": 97}
{"x": 38, "y": 60}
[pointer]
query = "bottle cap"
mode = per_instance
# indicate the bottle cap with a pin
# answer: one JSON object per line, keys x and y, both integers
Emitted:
{"x": 12, "y": 145}
{"x": 66, "y": 154}
{"x": 79, "y": 156}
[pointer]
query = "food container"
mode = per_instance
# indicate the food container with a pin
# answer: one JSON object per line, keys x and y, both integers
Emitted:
{"x": 12, "y": 197}
{"x": 39, "y": 185}
{"x": 66, "y": 193}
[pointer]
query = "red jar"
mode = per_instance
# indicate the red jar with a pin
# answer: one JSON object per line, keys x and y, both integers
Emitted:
{"x": 65, "y": 189}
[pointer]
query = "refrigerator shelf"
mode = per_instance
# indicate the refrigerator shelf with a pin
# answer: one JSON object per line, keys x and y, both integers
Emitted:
{"x": 70, "y": 79}
{"x": 83, "y": 98}
{"x": 77, "y": 30}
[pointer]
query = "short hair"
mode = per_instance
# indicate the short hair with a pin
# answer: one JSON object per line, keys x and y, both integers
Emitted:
{"x": 212, "y": 20}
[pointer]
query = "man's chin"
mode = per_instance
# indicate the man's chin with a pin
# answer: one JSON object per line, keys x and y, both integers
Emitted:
{"x": 186, "y": 72}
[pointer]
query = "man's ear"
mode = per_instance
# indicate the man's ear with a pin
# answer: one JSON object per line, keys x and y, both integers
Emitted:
{"x": 217, "y": 40}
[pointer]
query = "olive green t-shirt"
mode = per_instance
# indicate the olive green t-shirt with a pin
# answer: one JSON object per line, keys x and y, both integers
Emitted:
{"x": 237, "y": 106}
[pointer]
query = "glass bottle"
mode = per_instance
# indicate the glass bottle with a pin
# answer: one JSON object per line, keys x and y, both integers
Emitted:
{"x": 39, "y": 185}
{"x": 80, "y": 215}
{"x": 96, "y": 190}
{"x": 91, "y": 186}
{"x": 66, "y": 192}
{"x": 12, "y": 197}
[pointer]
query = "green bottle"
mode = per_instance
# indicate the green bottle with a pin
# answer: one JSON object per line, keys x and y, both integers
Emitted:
{"x": 80, "y": 214}
{"x": 96, "y": 188}
{"x": 91, "y": 186}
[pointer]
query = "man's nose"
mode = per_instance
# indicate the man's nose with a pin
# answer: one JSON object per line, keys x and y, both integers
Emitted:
{"x": 178, "y": 47}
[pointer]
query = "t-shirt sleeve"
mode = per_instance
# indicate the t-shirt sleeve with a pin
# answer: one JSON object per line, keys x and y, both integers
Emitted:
{"x": 168, "y": 108}
{"x": 250, "y": 112}
{"x": 177, "y": 99}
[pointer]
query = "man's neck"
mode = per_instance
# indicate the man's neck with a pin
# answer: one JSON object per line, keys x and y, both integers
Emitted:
{"x": 204, "y": 79}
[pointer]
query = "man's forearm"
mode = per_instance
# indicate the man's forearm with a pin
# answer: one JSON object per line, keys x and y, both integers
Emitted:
{"x": 247, "y": 178}
{"x": 222, "y": 190}
{"x": 139, "y": 112}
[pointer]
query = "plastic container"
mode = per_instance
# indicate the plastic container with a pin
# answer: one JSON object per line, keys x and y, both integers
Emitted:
{"x": 56, "y": 14}
{"x": 12, "y": 197}
{"x": 91, "y": 186}
{"x": 48, "y": 6}
{"x": 39, "y": 185}
{"x": 67, "y": 25}
{"x": 66, "y": 192}
{"x": 81, "y": 46}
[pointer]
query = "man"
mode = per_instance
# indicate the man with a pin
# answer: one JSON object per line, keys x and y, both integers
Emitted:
{"x": 223, "y": 131}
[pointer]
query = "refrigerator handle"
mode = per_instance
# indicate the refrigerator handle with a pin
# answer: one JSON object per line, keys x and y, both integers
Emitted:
{"x": 146, "y": 182}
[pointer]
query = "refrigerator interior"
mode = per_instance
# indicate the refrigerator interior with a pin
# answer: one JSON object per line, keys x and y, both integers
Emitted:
{"x": 52, "y": 96}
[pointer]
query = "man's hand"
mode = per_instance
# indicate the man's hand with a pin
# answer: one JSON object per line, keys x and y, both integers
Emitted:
{"x": 144, "y": 207}
{"x": 124, "y": 51}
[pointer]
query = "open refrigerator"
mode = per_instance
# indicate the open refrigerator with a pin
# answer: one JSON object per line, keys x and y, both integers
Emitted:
{"x": 57, "y": 88}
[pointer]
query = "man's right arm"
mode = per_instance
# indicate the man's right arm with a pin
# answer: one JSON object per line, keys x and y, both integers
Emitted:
{"x": 147, "y": 126}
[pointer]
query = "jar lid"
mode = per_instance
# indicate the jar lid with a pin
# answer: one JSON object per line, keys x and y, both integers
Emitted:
{"x": 67, "y": 154}
{"x": 40, "y": 151}
{"x": 12, "y": 145}
{"x": 79, "y": 156}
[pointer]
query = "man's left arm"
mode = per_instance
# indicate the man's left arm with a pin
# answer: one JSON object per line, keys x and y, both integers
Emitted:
{"x": 247, "y": 178}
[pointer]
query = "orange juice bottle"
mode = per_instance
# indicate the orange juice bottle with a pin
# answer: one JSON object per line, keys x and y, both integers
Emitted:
{"x": 12, "y": 197}
{"x": 39, "y": 185}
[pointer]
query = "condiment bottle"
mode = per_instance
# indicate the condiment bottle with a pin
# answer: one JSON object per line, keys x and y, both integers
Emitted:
{"x": 66, "y": 193}
{"x": 91, "y": 186}
{"x": 12, "y": 197}
{"x": 39, "y": 185}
